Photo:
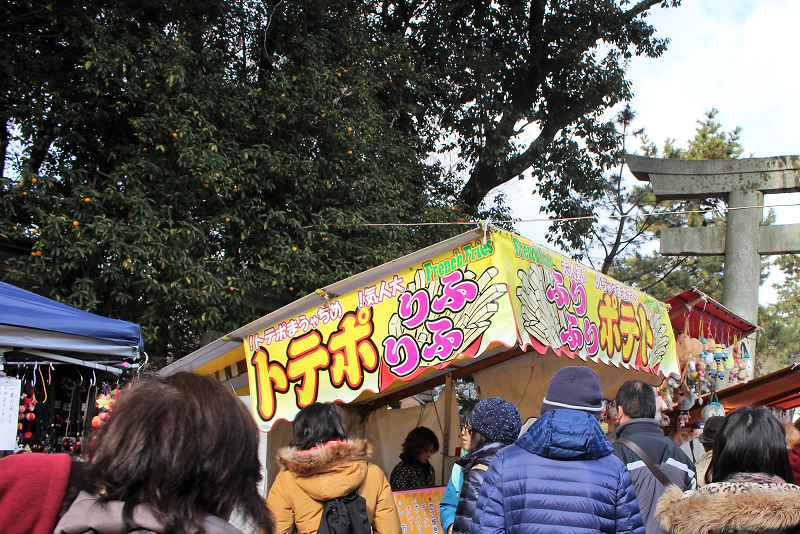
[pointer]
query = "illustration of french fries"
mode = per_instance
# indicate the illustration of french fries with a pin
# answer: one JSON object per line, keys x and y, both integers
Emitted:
{"x": 541, "y": 319}
{"x": 473, "y": 320}
{"x": 660, "y": 338}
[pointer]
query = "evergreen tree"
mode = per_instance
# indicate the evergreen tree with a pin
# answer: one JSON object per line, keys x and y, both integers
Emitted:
{"x": 664, "y": 276}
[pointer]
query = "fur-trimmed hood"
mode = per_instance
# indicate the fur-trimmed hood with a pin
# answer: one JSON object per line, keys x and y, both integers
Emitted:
{"x": 306, "y": 463}
{"x": 767, "y": 508}
{"x": 332, "y": 470}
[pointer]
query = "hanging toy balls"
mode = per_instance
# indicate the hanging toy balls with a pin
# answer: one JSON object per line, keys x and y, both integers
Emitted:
{"x": 742, "y": 374}
{"x": 735, "y": 350}
{"x": 729, "y": 362}
{"x": 30, "y": 416}
{"x": 19, "y": 426}
{"x": 95, "y": 421}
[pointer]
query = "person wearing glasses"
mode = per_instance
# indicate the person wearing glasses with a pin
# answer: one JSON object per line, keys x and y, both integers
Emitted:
{"x": 493, "y": 425}
{"x": 447, "y": 508}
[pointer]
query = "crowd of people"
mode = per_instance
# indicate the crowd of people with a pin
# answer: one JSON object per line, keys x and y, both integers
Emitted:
{"x": 180, "y": 455}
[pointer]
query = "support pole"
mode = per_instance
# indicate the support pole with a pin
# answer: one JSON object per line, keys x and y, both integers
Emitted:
{"x": 742, "y": 261}
{"x": 449, "y": 390}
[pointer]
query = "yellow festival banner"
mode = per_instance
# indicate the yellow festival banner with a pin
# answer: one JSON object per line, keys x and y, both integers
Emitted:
{"x": 419, "y": 510}
{"x": 505, "y": 291}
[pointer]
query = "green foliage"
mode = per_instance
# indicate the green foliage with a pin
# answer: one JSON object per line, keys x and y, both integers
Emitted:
{"x": 779, "y": 344}
{"x": 519, "y": 89}
{"x": 178, "y": 182}
{"x": 710, "y": 142}
{"x": 191, "y": 166}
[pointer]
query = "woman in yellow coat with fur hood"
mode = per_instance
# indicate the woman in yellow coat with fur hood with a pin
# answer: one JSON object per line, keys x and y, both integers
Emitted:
{"x": 321, "y": 464}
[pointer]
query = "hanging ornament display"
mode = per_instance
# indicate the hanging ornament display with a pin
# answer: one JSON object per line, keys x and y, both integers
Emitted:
{"x": 105, "y": 405}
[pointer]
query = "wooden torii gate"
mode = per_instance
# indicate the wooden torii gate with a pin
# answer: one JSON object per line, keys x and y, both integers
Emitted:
{"x": 742, "y": 184}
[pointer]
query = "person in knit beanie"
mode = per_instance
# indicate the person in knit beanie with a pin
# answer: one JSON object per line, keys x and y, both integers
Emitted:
{"x": 493, "y": 425}
{"x": 574, "y": 388}
{"x": 560, "y": 475}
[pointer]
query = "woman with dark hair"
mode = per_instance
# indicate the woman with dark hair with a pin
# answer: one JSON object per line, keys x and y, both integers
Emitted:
{"x": 321, "y": 464}
{"x": 179, "y": 454}
{"x": 750, "y": 486}
{"x": 494, "y": 424}
{"x": 415, "y": 470}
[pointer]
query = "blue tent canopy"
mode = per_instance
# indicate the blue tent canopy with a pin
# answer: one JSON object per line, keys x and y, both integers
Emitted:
{"x": 32, "y": 322}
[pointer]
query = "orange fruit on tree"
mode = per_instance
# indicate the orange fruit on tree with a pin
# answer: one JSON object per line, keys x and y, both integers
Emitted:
{"x": 34, "y": 180}
{"x": 87, "y": 200}
{"x": 75, "y": 223}
{"x": 232, "y": 288}
{"x": 349, "y": 152}
{"x": 174, "y": 134}
{"x": 294, "y": 249}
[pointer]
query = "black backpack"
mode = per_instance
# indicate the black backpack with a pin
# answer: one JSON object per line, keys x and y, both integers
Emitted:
{"x": 345, "y": 515}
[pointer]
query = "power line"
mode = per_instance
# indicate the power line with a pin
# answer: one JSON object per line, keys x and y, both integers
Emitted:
{"x": 561, "y": 219}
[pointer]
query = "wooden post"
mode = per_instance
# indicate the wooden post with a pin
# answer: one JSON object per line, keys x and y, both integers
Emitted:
{"x": 449, "y": 390}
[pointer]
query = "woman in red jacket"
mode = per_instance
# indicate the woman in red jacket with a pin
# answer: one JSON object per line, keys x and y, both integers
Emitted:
{"x": 179, "y": 454}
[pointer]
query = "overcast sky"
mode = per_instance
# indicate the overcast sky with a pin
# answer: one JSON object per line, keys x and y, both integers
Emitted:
{"x": 738, "y": 56}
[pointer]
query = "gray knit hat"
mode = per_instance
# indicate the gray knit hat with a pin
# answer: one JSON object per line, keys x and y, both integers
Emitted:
{"x": 574, "y": 388}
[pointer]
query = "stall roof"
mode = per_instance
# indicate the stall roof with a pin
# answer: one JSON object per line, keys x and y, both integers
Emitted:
{"x": 31, "y": 323}
{"x": 454, "y": 308}
{"x": 697, "y": 307}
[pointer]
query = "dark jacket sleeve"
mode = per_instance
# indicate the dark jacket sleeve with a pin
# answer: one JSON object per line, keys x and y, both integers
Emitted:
{"x": 489, "y": 517}
{"x": 470, "y": 490}
{"x": 629, "y": 520}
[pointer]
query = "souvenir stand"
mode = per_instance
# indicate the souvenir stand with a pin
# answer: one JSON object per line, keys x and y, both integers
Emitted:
{"x": 60, "y": 368}
{"x": 476, "y": 302}
{"x": 712, "y": 352}
{"x": 779, "y": 392}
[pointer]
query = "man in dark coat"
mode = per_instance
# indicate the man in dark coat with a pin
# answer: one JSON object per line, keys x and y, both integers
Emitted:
{"x": 636, "y": 405}
{"x": 560, "y": 476}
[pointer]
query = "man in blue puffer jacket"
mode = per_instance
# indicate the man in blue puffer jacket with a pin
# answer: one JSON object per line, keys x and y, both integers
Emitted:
{"x": 560, "y": 476}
